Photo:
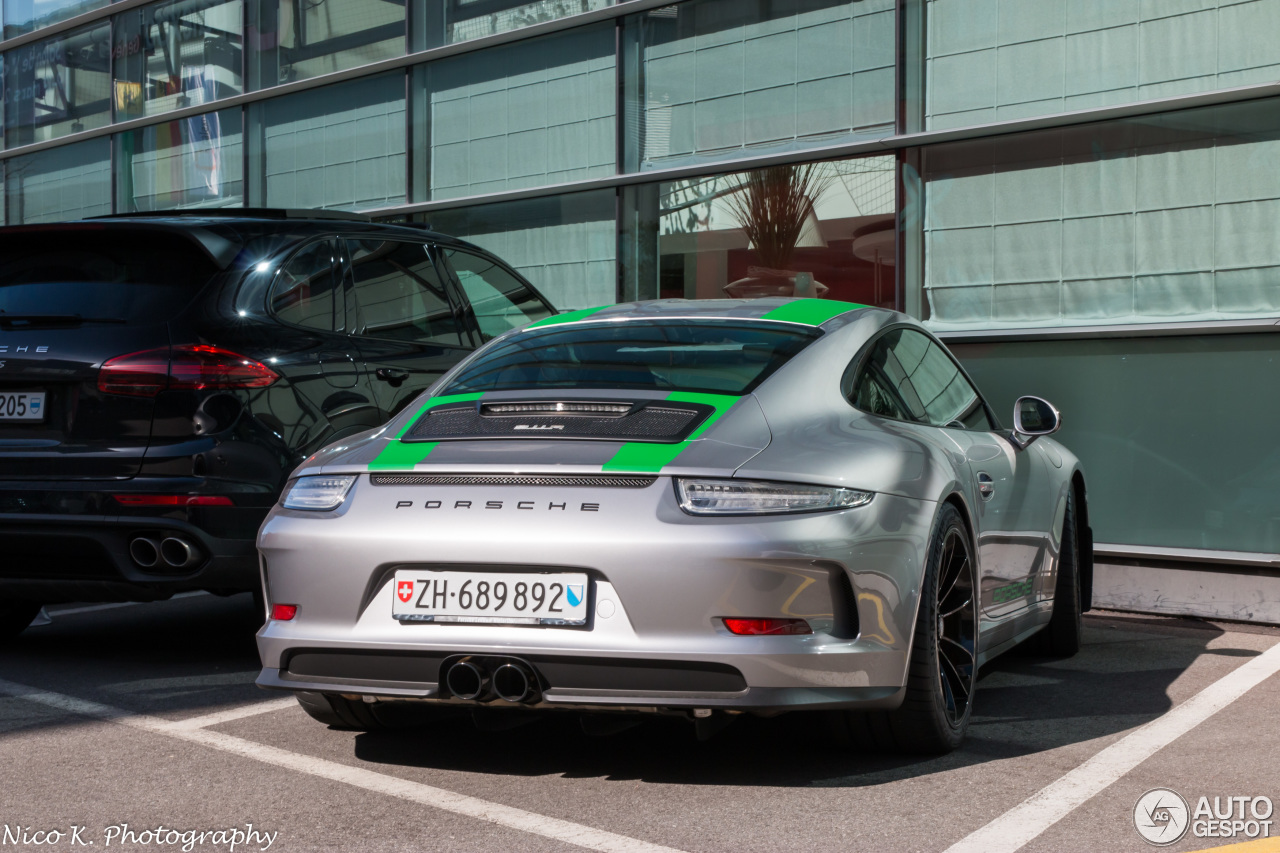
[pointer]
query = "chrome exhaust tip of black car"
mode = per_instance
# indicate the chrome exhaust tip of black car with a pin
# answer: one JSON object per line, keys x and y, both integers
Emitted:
{"x": 515, "y": 683}
{"x": 145, "y": 552}
{"x": 179, "y": 553}
{"x": 467, "y": 680}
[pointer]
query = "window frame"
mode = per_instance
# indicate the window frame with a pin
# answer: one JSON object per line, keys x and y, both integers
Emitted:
{"x": 849, "y": 378}
{"x": 354, "y": 316}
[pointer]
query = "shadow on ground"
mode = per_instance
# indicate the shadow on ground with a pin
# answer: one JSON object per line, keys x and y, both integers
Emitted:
{"x": 1024, "y": 705}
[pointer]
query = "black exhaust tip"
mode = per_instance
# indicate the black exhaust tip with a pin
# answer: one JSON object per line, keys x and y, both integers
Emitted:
{"x": 514, "y": 683}
{"x": 467, "y": 680}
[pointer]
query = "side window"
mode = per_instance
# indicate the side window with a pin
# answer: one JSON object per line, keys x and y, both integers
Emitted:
{"x": 909, "y": 377}
{"x": 500, "y": 300}
{"x": 399, "y": 295}
{"x": 304, "y": 290}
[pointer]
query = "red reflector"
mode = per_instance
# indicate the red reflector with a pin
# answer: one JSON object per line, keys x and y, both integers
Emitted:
{"x": 766, "y": 626}
{"x": 284, "y": 612}
{"x": 174, "y": 500}
{"x": 196, "y": 367}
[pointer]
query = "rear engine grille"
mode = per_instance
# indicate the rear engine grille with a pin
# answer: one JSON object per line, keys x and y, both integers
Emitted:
{"x": 657, "y": 423}
{"x": 509, "y": 480}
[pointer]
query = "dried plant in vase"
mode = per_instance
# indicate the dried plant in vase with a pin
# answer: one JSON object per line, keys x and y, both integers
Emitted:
{"x": 772, "y": 206}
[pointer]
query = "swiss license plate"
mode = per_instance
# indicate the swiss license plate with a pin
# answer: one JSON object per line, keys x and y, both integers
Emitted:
{"x": 506, "y": 598}
{"x": 21, "y": 405}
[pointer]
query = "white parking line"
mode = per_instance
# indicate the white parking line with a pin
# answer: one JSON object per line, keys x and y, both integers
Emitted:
{"x": 379, "y": 783}
{"x": 1021, "y": 824}
{"x": 240, "y": 713}
{"x": 91, "y": 608}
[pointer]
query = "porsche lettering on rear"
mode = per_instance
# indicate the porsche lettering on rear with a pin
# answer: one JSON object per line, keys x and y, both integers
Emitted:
{"x": 561, "y": 506}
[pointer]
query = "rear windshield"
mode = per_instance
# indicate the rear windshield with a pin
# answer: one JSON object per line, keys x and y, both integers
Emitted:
{"x": 689, "y": 355}
{"x": 97, "y": 276}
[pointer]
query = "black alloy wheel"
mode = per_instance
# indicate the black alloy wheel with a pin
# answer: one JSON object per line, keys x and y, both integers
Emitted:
{"x": 957, "y": 631}
{"x": 942, "y": 670}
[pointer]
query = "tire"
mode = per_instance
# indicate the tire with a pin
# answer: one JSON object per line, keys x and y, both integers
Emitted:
{"x": 942, "y": 671}
{"x": 15, "y": 616}
{"x": 338, "y": 712}
{"x": 1061, "y": 637}
{"x": 355, "y": 715}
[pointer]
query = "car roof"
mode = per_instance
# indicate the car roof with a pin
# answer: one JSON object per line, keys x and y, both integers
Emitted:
{"x": 223, "y": 232}
{"x": 781, "y": 309}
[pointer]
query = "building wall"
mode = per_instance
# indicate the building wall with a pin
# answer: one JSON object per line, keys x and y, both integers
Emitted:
{"x": 1120, "y": 257}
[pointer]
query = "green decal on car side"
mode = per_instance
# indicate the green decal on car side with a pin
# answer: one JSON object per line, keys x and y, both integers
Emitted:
{"x": 811, "y": 312}
{"x": 406, "y": 454}
{"x": 568, "y": 317}
{"x": 641, "y": 456}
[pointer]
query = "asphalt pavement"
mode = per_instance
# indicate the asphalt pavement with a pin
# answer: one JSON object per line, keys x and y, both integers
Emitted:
{"x": 138, "y": 727}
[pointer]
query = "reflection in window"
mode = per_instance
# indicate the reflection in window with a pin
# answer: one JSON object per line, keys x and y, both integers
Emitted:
{"x": 176, "y": 54}
{"x": 399, "y": 295}
{"x": 566, "y": 246}
{"x": 340, "y": 146}
{"x": 70, "y": 182}
{"x": 523, "y": 115}
{"x": 710, "y": 79}
{"x": 461, "y": 20}
{"x": 822, "y": 229}
{"x": 23, "y": 16}
{"x": 909, "y": 377}
{"x": 1159, "y": 219}
{"x": 303, "y": 292}
{"x": 499, "y": 300}
{"x": 58, "y": 86}
{"x": 192, "y": 162}
{"x": 297, "y": 39}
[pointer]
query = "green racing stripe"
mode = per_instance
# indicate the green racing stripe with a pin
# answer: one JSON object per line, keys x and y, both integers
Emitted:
{"x": 567, "y": 317}
{"x": 401, "y": 454}
{"x": 811, "y": 312}
{"x": 646, "y": 457}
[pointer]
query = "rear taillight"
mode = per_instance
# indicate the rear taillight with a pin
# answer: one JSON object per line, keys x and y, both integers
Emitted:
{"x": 174, "y": 500}
{"x": 766, "y": 627}
{"x": 195, "y": 367}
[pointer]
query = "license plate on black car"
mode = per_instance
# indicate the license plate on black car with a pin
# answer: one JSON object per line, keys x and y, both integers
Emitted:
{"x": 21, "y": 405}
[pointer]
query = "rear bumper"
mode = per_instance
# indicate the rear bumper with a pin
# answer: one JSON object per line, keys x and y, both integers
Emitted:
{"x": 56, "y": 558}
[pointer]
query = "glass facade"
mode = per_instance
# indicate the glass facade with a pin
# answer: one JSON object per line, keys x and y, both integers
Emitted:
{"x": 991, "y": 60}
{"x": 610, "y": 150}
{"x": 716, "y": 79}
{"x": 176, "y": 54}
{"x": 1166, "y": 217}
{"x": 191, "y": 162}
{"x": 522, "y": 115}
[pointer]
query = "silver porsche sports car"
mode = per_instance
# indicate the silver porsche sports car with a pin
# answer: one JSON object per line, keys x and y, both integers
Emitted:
{"x": 703, "y": 508}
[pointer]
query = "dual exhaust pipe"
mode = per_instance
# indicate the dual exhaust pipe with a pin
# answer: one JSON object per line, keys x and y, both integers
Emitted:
{"x": 171, "y": 552}
{"x": 480, "y": 680}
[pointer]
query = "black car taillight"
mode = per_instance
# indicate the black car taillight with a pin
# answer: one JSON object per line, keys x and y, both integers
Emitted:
{"x": 147, "y": 373}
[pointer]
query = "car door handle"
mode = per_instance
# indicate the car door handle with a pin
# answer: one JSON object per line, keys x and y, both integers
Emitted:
{"x": 986, "y": 486}
{"x": 394, "y": 375}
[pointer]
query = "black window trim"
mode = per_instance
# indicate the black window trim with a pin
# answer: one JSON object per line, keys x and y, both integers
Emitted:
{"x": 468, "y": 313}
{"x": 849, "y": 378}
{"x": 466, "y": 340}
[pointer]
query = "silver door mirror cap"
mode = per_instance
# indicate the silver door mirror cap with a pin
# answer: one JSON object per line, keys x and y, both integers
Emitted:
{"x": 1034, "y": 417}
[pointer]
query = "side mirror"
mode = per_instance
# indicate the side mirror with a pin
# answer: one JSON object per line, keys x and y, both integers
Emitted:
{"x": 1033, "y": 417}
